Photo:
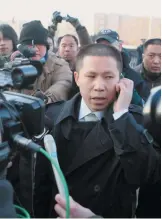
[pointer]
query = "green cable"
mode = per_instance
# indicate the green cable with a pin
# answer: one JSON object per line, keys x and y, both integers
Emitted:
{"x": 62, "y": 180}
{"x": 26, "y": 214}
{"x": 20, "y": 216}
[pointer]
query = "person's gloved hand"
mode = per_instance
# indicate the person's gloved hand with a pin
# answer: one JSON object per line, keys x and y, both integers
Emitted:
{"x": 56, "y": 17}
{"x": 52, "y": 30}
{"x": 41, "y": 95}
{"x": 73, "y": 21}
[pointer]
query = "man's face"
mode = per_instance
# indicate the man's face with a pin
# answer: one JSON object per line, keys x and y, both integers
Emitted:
{"x": 97, "y": 81}
{"x": 40, "y": 51}
{"x": 68, "y": 48}
{"x": 6, "y": 45}
{"x": 50, "y": 43}
{"x": 152, "y": 58}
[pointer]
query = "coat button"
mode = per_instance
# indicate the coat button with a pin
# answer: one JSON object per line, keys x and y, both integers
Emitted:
{"x": 97, "y": 188}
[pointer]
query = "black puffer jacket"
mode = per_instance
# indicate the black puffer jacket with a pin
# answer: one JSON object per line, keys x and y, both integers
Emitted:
{"x": 151, "y": 82}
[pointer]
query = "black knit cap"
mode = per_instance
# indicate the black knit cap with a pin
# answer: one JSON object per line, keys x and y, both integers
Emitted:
{"x": 33, "y": 30}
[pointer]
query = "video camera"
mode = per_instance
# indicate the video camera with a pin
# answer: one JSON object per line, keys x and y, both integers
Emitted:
{"x": 22, "y": 72}
{"x": 152, "y": 114}
{"x": 21, "y": 116}
{"x": 56, "y": 18}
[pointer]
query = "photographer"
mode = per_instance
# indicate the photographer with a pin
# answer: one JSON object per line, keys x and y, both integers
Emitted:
{"x": 68, "y": 45}
{"x": 82, "y": 32}
{"x": 55, "y": 81}
{"x": 8, "y": 42}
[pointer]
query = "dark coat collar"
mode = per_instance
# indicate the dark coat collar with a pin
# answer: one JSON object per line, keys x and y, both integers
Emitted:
{"x": 71, "y": 109}
{"x": 145, "y": 74}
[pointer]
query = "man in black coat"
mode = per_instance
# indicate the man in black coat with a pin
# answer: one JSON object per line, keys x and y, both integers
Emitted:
{"x": 150, "y": 68}
{"x": 112, "y": 37}
{"x": 103, "y": 150}
{"x": 141, "y": 91}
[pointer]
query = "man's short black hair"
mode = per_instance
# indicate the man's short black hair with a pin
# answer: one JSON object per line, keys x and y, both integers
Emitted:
{"x": 67, "y": 35}
{"x": 99, "y": 50}
{"x": 155, "y": 41}
{"x": 10, "y": 33}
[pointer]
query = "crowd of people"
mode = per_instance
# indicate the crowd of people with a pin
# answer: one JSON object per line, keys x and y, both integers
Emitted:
{"x": 94, "y": 102}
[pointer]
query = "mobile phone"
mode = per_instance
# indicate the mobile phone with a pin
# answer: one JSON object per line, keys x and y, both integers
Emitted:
{"x": 117, "y": 93}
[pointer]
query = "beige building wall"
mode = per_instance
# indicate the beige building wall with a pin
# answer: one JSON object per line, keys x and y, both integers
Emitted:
{"x": 131, "y": 29}
{"x": 100, "y": 22}
{"x": 156, "y": 27}
{"x": 113, "y": 21}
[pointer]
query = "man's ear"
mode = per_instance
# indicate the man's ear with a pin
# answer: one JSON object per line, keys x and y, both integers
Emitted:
{"x": 143, "y": 56}
{"x": 76, "y": 77}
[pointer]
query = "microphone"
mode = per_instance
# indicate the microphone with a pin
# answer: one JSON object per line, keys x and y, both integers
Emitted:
{"x": 26, "y": 51}
{"x": 7, "y": 209}
{"x": 50, "y": 147}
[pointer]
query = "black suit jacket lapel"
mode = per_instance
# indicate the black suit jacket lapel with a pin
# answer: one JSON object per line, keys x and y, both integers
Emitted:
{"x": 97, "y": 142}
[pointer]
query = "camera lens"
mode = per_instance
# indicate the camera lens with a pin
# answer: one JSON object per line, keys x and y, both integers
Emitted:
{"x": 59, "y": 18}
{"x": 23, "y": 76}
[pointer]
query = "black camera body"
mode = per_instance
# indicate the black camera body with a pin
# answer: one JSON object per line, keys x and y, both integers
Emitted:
{"x": 20, "y": 73}
{"x": 59, "y": 19}
{"x": 152, "y": 114}
{"x": 21, "y": 116}
{"x": 27, "y": 110}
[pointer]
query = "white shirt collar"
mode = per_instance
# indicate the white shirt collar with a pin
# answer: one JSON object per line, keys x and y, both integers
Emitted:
{"x": 84, "y": 111}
